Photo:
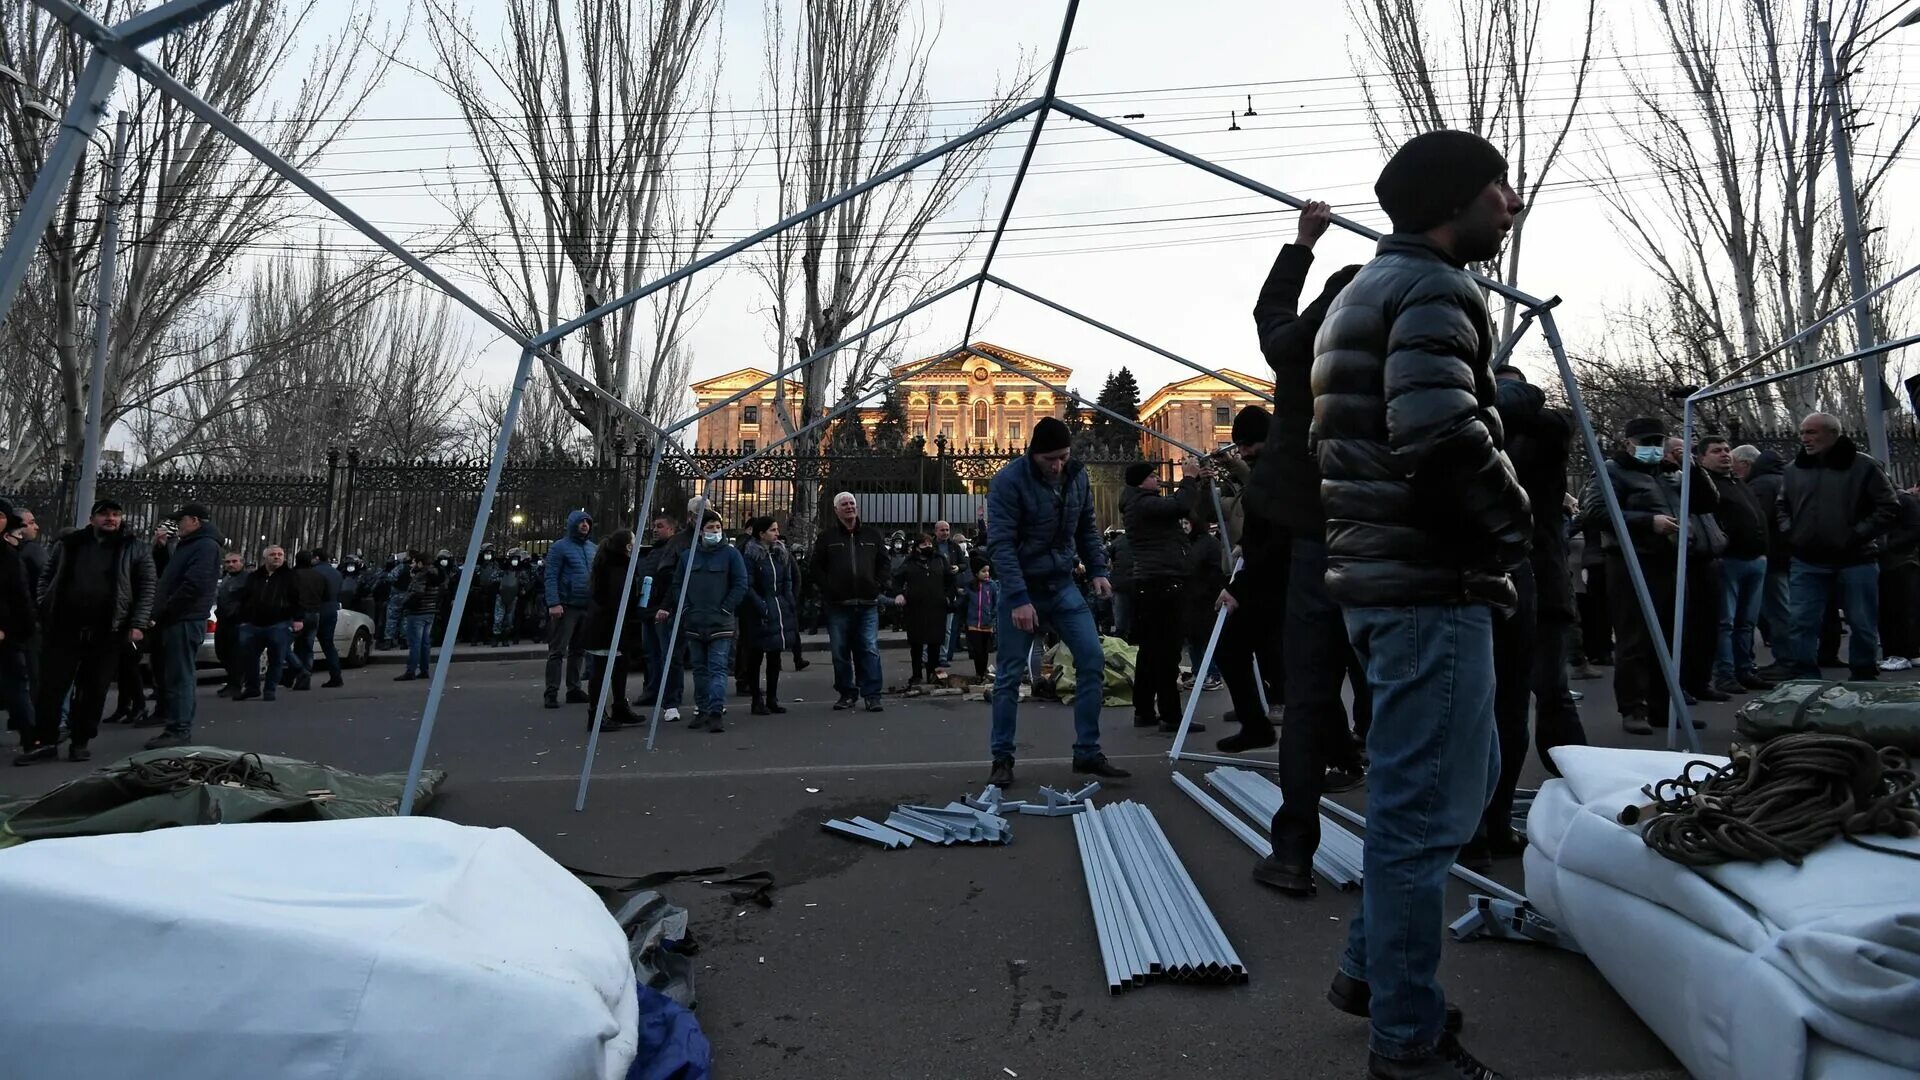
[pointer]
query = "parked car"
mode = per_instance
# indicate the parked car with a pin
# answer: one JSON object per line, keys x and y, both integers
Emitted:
{"x": 352, "y": 636}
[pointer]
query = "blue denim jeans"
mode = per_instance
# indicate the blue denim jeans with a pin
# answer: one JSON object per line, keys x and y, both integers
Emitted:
{"x": 1435, "y": 762}
{"x": 277, "y": 640}
{"x": 1859, "y": 597}
{"x": 1743, "y": 584}
{"x": 16, "y": 686}
{"x": 505, "y": 607}
{"x": 855, "y": 636}
{"x": 950, "y": 648}
{"x": 174, "y": 657}
{"x": 712, "y": 664}
{"x": 1065, "y": 610}
{"x": 419, "y": 638}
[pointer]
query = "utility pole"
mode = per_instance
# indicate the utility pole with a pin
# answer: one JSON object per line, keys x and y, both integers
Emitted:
{"x": 1856, "y": 260}
{"x": 102, "y": 329}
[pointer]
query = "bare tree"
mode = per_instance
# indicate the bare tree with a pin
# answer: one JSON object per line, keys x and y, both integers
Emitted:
{"x": 1724, "y": 191}
{"x": 192, "y": 203}
{"x": 1478, "y": 68}
{"x": 847, "y": 82}
{"x": 577, "y": 117}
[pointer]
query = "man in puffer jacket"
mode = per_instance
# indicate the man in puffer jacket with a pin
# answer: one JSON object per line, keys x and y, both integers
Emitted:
{"x": 1425, "y": 521}
{"x": 569, "y": 562}
{"x": 1834, "y": 507}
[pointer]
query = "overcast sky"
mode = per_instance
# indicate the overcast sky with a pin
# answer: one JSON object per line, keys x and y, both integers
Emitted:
{"x": 1157, "y": 248}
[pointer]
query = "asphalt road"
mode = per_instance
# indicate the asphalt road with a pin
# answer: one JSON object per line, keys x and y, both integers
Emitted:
{"x": 925, "y": 962}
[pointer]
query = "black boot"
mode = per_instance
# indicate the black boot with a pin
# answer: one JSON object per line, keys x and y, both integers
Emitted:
{"x": 1249, "y": 737}
{"x": 1355, "y": 998}
{"x": 774, "y": 707}
{"x": 1294, "y": 879}
{"x": 1098, "y": 765}
{"x": 715, "y": 725}
{"x": 1001, "y": 775}
{"x": 760, "y": 706}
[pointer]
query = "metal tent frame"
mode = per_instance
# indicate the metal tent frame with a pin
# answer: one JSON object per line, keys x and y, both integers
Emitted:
{"x": 117, "y": 46}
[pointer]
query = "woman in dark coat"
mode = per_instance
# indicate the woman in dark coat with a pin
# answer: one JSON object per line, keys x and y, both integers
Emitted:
{"x": 923, "y": 588}
{"x": 775, "y": 622}
{"x": 605, "y": 578}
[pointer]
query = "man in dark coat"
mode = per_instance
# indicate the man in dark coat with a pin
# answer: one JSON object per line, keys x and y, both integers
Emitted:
{"x": 19, "y": 622}
{"x": 1900, "y": 585}
{"x": 187, "y": 593}
{"x": 1743, "y": 570}
{"x": 1157, "y": 528}
{"x": 270, "y": 614}
{"x": 666, "y": 673}
{"x": 226, "y": 612}
{"x": 1833, "y": 508}
{"x": 1766, "y": 474}
{"x": 97, "y": 600}
{"x": 851, "y": 564}
{"x": 1426, "y": 523}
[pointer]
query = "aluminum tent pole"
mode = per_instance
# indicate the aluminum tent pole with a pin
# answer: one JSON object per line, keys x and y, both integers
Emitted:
{"x": 699, "y": 511}
{"x": 1126, "y": 337}
{"x": 1012, "y": 117}
{"x": 450, "y": 640}
{"x": 1814, "y": 327}
{"x": 1856, "y": 259}
{"x": 1206, "y": 663}
{"x": 1551, "y": 330}
{"x": 1679, "y": 638}
{"x": 619, "y": 627}
{"x": 1807, "y": 369}
{"x": 102, "y": 334}
{"x": 1026, "y": 161}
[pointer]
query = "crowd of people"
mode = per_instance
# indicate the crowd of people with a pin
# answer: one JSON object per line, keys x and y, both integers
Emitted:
{"x": 102, "y": 605}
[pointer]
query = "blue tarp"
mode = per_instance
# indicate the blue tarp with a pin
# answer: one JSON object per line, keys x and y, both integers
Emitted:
{"x": 671, "y": 1045}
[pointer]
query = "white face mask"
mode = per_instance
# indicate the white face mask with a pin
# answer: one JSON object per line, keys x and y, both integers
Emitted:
{"x": 711, "y": 539}
{"x": 1647, "y": 455}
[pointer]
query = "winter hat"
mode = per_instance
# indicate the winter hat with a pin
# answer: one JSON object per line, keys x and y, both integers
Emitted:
{"x": 1642, "y": 427}
{"x": 1251, "y": 426}
{"x": 1434, "y": 176}
{"x": 105, "y": 504}
{"x": 1138, "y": 472}
{"x": 1049, "y": 435}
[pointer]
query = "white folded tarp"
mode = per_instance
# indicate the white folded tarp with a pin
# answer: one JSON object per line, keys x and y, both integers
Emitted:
{"x": 1749, "y": 971}
{"x": 371, "y": 949}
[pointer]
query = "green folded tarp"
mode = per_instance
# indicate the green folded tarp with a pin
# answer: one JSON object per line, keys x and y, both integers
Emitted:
{"x": 1119, "y": 660}
{"x": 1884, "y": 714}
{"x": 204, "y": 785}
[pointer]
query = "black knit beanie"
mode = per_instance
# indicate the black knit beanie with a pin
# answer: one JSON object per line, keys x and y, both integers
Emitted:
{"x": 1138, "y": 472}
{"x": 1251, "y": 426}
{"x": 1434, "y": 176}
{"x": 1049, "y": 435}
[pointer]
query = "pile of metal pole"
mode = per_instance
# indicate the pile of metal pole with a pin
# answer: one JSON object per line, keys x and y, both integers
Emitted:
{"x": 1341, "y": 854}
{"x": 1149, "y": 916}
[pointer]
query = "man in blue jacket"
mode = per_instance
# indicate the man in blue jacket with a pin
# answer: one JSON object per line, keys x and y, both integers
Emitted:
{"x": 1039, "y": 524}
{"x": 180, "y": 608}
{"x": 568, "y": 561}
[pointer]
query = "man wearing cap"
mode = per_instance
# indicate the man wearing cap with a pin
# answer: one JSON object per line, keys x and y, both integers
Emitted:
{"x": 18, "y": 623}
{"x": 568, "y": 562}
{"x": 187, "y": 593}
{"x": 1039, "y": 525}
{"x": 1425, "y": 523}
{"x": 96, "y": 596}
{"x": 1646, "y": 482}
{"x": 1159, "y": 584}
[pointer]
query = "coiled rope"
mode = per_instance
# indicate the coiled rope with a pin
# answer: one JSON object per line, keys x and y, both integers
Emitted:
{"x": 179, "y": 773}
{"x": 1783, "y": 799}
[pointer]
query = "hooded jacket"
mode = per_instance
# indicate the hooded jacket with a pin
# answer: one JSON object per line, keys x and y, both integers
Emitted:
{"x": 1834, "y": 506}
{"x": 1153, "y": 529}
{"x": 770, "y": 579}
{"x": 133, "y": 580}
{"x": 1037, "y": 531}
{"x": 189, "y": 584}
{"x": 569, "y": 563}
{"x": 1422, "y": 506}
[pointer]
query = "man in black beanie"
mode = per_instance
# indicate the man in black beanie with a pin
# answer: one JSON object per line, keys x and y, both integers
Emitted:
{"x": 1039, "y": 526}
{"x": 1160, "y": 594}
{"x": 1425, "y": 523}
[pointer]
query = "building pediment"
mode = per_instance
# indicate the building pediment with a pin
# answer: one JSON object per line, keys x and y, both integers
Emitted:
{"x": 735, "y": 381}
{"x": 959, "y": 366}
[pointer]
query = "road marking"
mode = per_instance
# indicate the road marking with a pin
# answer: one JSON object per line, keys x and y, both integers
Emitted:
{"x": 803, "y": 770}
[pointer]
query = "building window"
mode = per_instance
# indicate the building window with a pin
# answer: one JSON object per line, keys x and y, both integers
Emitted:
{"x": 1015, "y": 432}
{"x": 747, "y": 446}
{"x": 946, "y": 432}
{"x": 750, "y": 416}
{"x": 1223, "y": 416}
{"x": 980, "y": 419}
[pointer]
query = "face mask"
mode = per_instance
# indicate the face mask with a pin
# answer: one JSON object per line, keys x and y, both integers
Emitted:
{"x": 515, "y": 563}
{"x": 486, "y": 558}
{"x": 925, "y": 553}
{"x": 711, "y": 540}
{"x": 1647, "y": 455}
{"x": 444, "y": 563}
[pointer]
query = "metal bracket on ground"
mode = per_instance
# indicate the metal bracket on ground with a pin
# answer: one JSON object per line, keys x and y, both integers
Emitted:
{"x": 1504, "y": 920}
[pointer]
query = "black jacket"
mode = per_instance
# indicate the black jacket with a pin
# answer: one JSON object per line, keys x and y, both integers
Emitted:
{"x": 1285, "y": 486}
{"x": 1765, "y": 479}
{"x": 928, "y": 584}
{"x": 423, "y": 592}
{"x": 18, "y": 619}
{"x": 850, "y": 567}
{"x": 270, "y": 597}
{"x": 1422, "y": 506}
{"x": 1740, "y": 518}
{"x": 1120, "y": 564}
{"x": 1834, "y": 507}
{"x": 1645, "y": 492}
{"x": 1538, "y": 440}
{"x": 228, "y": 595}
{"x": 1900, "y": 547}
{"x": 661, "y": 563}
{"x": 604, "y": 580}
{"x": 310, "y": 585}
{"x": 1153, "y": 530}
{"x": 133, "y": 581}
{"x": 188, "y": 584}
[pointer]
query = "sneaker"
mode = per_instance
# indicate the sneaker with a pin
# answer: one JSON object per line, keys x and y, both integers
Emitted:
{"x": 715, "y": 725}
{"x": 1635, "y": 723}
{"x": 1446, "y": 1061}
{"x": 577, "y": 697}
{"x": 1294, "y": 879}
{"x": 551, "y": 701}
{"x": 1213, "y": 683}
{"x": 873, "y": 705}
{"x": 846, "y": 702}
{"x": 1355, "y": 998}
{"x": 671, "y": 716}
{"x": 1248, "y": 738}
{"x": 167, "y": 739}
{"x": 333, "y": 682}
{"x": 699, "y": 722}
{"x": 1896, "y": 663}
{"x": 1001, "y": 776}
{"x": 1098, "y": 765}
